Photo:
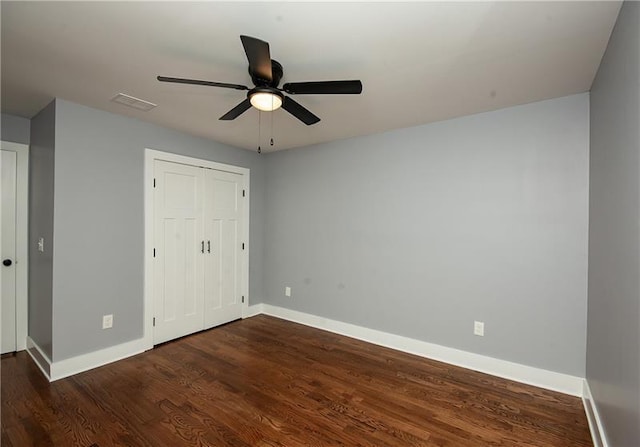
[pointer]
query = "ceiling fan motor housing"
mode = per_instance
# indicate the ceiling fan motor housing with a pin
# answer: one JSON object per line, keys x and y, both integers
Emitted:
{"x": 276, "y": 76}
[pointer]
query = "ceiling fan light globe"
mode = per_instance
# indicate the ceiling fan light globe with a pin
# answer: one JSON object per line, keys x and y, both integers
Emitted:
{"x": 265, "y": 101}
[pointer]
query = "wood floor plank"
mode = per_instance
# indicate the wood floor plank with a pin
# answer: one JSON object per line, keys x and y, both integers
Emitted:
{"x": 271, "y": 383}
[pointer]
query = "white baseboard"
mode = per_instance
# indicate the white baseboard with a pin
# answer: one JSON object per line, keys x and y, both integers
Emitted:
{"x": 39, "y": 357}
{"x": 74, "y": 365}
{"x": 254, "y": 310}
{"x": 85, "y": 362}
{"x": 596, "y": 427}
{"x": 542, "y": 378}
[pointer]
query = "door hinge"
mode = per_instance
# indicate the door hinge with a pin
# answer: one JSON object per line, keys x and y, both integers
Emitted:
{"x": 154, "y": 183}
{"x": 243, "y": 193}
{"x": 243, "y": 298}
{"x": 154, "y": 321}
{"x": 243, "y": 245}
{"x": 154, "y": 252}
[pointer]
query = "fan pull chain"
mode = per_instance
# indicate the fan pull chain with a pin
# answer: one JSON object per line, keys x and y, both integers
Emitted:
{"x": 271, "y": 140}
{"x": 259, "y": 129}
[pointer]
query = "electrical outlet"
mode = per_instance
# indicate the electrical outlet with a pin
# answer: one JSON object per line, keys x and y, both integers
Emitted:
{"x": 107, "y": 321}
{"x": 478, "y": 328}
{"x": 287, "y": 291}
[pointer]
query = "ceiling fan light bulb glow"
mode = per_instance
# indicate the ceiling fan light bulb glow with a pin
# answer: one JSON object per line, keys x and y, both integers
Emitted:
{"x": 265, "y": 101}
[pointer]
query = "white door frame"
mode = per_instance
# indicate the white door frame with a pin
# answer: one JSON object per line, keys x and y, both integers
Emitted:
{"x": 22, "y": 243}
{"x": 150, "y": 156}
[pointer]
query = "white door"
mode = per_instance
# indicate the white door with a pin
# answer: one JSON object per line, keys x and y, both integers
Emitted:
{"x": 179, "y": 246}
{"x": 8, "y": 167}
{"x": 223, "y": 211}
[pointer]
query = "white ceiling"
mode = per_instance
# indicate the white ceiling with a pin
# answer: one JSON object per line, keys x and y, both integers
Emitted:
{"x": 418, "y": 62}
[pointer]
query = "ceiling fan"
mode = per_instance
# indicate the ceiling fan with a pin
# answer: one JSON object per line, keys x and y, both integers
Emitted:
{"x": 266, "y": 74}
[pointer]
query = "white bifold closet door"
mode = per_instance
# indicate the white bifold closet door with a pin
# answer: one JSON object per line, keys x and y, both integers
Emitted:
{"x": 197, "y": 263}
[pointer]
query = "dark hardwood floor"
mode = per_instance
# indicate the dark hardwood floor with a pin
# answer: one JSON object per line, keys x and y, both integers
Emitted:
{"x": 268, "y": 382}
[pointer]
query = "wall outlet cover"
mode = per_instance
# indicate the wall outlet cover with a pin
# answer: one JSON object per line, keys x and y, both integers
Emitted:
{"x": 107, "y": 321}
{"x": 478, "y": 328}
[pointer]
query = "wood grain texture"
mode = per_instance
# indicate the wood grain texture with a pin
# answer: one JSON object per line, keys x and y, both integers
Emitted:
{"x": 268, "y": 382}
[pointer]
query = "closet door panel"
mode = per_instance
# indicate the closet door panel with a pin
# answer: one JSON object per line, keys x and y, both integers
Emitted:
{"x": 223, "y": 209}
{"x": 178, "y": 263}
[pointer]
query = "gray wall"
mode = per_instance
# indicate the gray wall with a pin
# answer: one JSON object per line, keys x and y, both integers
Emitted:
{"x": 14, "y": 128}
{"x": 419, "y": 232}
{"x": 99, "y": 222}
{"x": 613, "y": 341}
{"x": 41, "y": 192}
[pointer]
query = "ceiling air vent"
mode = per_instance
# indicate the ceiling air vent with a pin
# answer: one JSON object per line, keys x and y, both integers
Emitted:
{"x": 133, "y": 102}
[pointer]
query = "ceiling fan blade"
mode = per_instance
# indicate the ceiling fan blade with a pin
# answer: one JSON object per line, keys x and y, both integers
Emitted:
{"x": 324, "y": 88}
{"x": 299, "y": 112}
{"x": 259, "y": 57}
{"x": 237, "y": 110}
{"x": 198, "y": 82}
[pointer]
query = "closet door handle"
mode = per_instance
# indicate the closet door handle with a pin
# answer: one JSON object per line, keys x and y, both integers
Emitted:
{"x": 202, "y": 247}
{"x": 208, "y": 246}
